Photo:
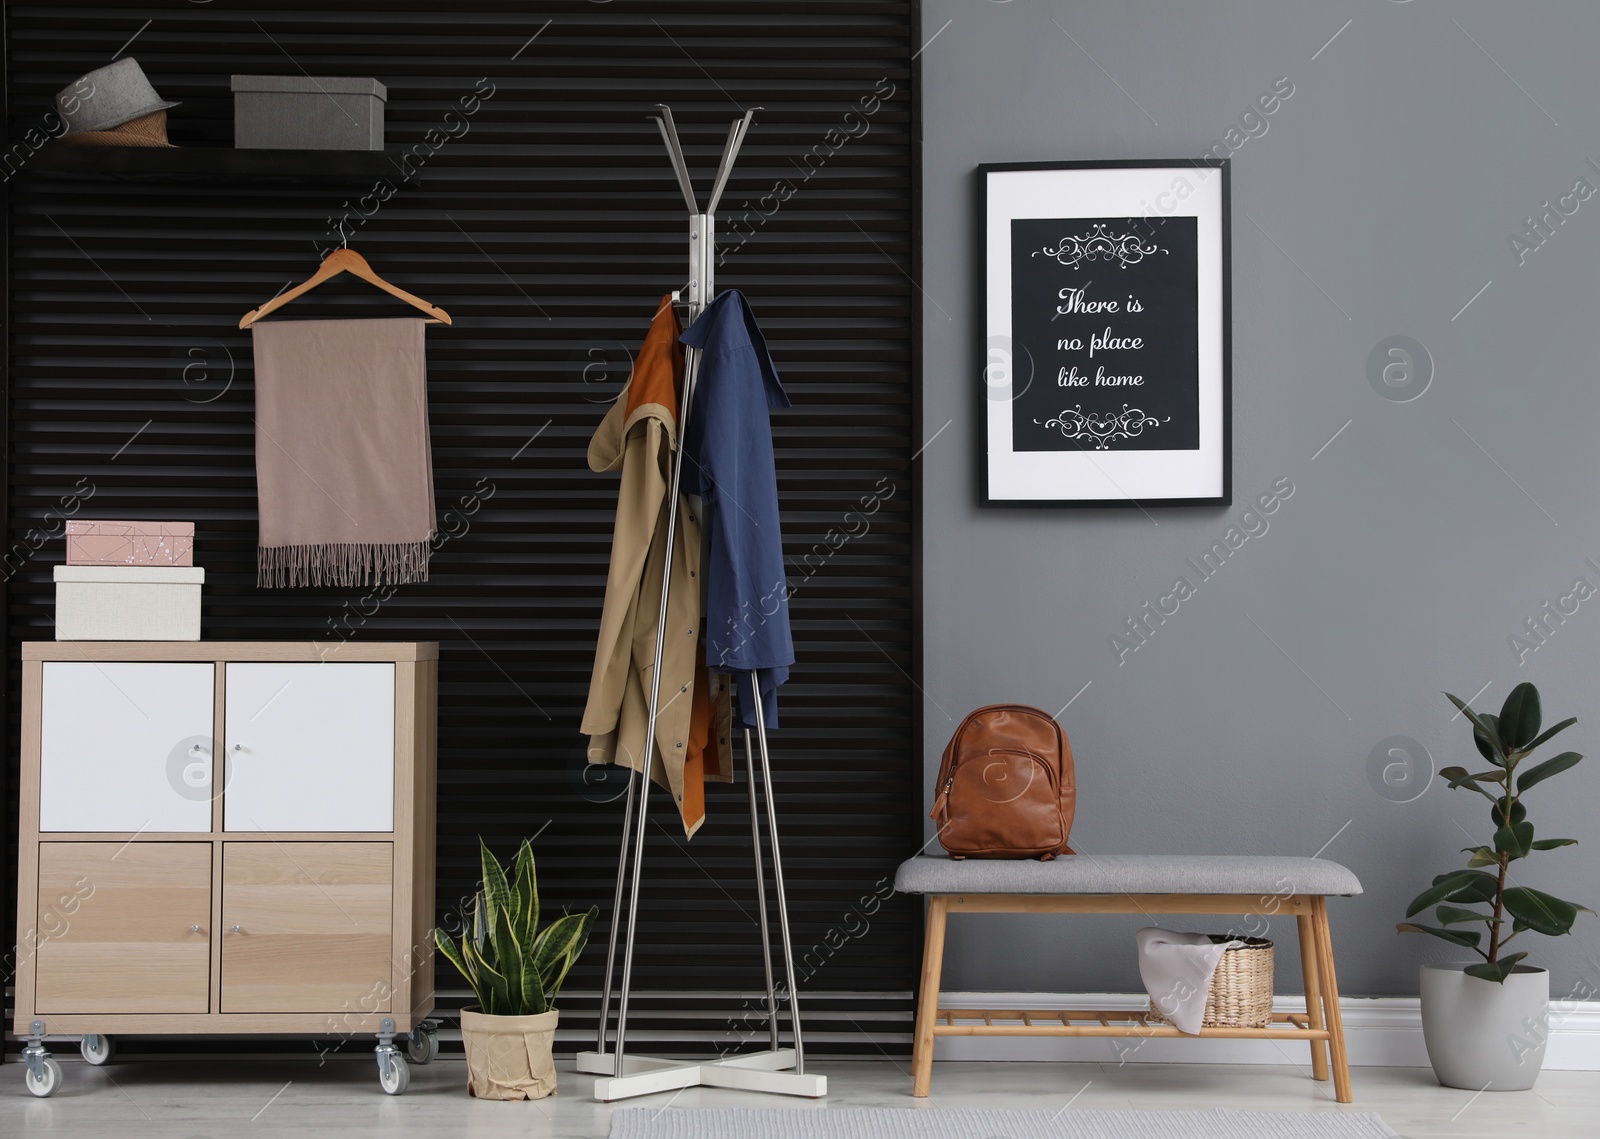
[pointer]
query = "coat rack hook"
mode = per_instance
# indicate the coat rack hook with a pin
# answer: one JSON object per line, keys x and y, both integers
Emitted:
{"x": 730, "y": 154}
{"x": 680, "y": 166}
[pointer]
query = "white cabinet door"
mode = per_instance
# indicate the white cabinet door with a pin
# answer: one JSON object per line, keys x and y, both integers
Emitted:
{"x": 126, "y": 746}
{"x": 309, "y": 746}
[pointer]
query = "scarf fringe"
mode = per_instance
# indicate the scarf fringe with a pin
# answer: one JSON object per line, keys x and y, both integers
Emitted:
{"x": 342, "y": 564}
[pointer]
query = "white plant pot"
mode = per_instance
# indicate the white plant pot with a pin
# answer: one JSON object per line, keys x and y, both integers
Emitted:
{"x": 1483, "y": 1036}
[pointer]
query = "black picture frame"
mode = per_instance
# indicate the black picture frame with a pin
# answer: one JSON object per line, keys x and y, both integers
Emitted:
{"x": 1210, "y": 471}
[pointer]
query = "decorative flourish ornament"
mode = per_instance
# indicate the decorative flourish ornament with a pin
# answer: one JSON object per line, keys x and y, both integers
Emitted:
{"x": 1075, "y": 423}
{"x": 1099, "y": 245}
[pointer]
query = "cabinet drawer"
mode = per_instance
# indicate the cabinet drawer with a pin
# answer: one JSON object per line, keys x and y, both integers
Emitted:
{"x": 124, "y": 927}
{"x": 307, "y": 926}
{"x": 125, "y": 746}
{"x": 310, "y": 747}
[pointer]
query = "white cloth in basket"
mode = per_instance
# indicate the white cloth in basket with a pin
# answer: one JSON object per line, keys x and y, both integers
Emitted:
{"x": 1177, "y": 969}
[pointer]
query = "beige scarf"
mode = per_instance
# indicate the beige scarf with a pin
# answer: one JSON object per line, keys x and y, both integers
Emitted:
{"x": 344, "y": 467}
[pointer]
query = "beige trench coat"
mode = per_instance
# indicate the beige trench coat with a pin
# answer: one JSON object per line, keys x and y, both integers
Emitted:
{"x": 694, "y": 724}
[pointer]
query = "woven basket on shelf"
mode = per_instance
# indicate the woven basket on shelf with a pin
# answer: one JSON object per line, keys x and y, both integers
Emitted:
{"x": 1241, "y": 989}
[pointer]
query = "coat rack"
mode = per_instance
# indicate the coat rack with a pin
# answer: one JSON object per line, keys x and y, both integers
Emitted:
{"x": 622, "y": 1075}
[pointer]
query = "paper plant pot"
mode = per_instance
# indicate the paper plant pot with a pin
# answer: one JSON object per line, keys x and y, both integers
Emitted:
{"x": 510, "y": 1057}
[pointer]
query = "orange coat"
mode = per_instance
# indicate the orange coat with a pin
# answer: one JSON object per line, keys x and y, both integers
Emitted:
{"x": 694, "y": 725}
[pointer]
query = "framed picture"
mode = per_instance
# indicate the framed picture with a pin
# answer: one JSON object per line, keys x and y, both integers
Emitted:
{"x": 1106, "y": 310}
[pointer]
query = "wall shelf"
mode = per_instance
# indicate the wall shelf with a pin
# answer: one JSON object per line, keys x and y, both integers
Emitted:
{"x": 209, "y": 163}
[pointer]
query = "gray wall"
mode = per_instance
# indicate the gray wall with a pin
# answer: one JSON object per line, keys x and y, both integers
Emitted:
{"x": 1413, "y": 546}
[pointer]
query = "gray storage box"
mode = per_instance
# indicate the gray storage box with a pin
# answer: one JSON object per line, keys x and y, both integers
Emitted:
{"x": 299, "y": 112}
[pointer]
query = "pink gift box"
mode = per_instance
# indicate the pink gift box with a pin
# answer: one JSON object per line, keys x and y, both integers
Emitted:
{"x": 130, "y": 543}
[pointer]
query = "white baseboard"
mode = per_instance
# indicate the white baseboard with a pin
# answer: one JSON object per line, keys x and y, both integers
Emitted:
{"x": 1378, "y": 1032}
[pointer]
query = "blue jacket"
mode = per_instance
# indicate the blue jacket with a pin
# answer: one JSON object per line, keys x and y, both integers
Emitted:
{"x": 728, "y": 445}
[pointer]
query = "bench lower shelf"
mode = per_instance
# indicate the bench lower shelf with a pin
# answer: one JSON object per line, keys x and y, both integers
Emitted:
{"x": 1109, "y": 1022}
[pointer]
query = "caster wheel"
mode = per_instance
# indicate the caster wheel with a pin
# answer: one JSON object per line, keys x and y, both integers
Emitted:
{"x": 396, "y": 1079}
{"x": 50, "y": 1081}
{"x": 422, "y": 1045}
{"x": 97, "y": 1049}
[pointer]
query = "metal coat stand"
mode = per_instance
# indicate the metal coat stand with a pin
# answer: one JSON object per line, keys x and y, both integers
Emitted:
{"x": 623, "y": 1075}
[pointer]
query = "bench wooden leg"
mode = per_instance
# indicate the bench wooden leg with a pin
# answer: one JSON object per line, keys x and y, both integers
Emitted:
{"x": 928, "y": 996}
{"x": 1330, "y": 1000}
{"x": 1308, "y": 973}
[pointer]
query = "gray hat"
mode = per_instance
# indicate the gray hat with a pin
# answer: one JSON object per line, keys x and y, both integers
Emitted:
{"x": 109, "y": 97}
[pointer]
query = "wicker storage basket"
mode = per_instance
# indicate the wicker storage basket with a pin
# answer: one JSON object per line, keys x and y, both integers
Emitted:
{"x": 1241, "y": 989}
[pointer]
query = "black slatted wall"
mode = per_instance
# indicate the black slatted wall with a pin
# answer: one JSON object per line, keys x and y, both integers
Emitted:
{"x": 542, "y": 213}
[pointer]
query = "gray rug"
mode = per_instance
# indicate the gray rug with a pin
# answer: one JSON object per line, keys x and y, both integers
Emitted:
{"x": 935, "y": 1123}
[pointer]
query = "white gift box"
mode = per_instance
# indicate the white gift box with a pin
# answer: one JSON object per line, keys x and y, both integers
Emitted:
{"x": 128, "y": 603}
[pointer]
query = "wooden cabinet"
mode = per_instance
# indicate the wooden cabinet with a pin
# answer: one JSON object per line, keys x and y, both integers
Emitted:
{"x": 307, "y": 926}
{"x": 125, "y": 927}
{"x": 293, "y": 895}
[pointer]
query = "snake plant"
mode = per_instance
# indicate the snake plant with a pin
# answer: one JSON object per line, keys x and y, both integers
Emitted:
{"x": 514, "y": 967}
{"x": 1505, "y": 741}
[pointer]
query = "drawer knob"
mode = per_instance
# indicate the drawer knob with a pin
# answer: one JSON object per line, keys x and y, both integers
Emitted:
{"x": 238, "y": 747}
{"x": 196, "y": 749}
{"x": 194, "y": 928}
{"x": 234, "y": 929}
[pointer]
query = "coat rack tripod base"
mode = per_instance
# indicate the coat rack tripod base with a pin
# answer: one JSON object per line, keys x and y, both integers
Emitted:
{"x": 755, "y": 1072}
{"x": 775, "y": 1070}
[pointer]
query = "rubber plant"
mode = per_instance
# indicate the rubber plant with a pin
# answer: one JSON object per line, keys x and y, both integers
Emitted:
{"x": 1505, "y": 741}
{"x": 514, "y": 968}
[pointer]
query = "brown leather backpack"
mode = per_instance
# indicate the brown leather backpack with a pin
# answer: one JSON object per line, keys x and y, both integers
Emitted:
{"x": 1006, "y": 786}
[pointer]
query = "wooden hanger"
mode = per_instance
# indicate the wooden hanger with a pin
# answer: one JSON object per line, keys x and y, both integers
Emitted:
{"x": 345, "y": 261}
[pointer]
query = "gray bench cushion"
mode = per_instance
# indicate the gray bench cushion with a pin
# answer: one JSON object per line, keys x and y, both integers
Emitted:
{"x": 1126, "y": 874}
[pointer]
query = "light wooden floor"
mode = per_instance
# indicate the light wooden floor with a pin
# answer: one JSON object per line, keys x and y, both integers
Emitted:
{"x": 226, "y": 1098}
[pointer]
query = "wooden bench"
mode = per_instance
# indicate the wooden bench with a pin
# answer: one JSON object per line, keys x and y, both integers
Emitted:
{"x": 1132, "y": 884}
